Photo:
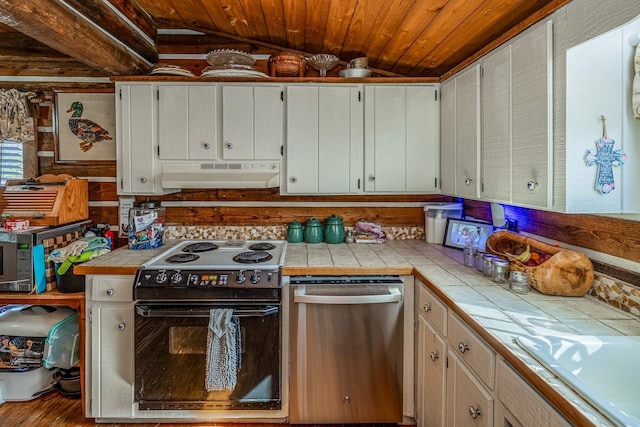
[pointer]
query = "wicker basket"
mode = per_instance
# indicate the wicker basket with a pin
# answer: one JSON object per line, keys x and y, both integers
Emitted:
{"x": 566, "y": 272}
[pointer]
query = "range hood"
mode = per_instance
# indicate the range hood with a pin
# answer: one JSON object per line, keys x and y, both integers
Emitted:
{"x": 239, "y": 174}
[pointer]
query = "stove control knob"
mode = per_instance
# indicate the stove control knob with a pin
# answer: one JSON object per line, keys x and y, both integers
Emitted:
{"x": 255, "y": 277}
{"x": 161, "y": 277}
{"x": 176, "y": 278}
{"x": 240, "y": 277}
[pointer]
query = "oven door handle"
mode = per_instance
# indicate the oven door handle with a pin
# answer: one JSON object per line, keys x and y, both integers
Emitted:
{"x": 392, "y": 296}
{"x": 148, "y": 311}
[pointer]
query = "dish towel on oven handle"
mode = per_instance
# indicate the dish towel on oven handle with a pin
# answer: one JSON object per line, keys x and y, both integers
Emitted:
{"x": 224, "y": 356}
{"x": 635, "y": 94}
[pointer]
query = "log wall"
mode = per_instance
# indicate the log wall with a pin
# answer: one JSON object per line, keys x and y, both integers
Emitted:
{"x": 613, "y": 236}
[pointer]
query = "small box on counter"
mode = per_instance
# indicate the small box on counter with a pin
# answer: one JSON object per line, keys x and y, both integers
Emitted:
{"x": 15, "y": 224}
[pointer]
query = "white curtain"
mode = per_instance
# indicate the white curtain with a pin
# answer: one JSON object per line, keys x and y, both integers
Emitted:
{"x": 635, "y": 96}
{"x": 16, "y": 123}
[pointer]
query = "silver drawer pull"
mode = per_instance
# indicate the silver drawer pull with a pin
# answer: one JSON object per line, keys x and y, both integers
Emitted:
{"x": 110, "y": 292}
{"x": 206, "y": 145}
{"x": 427, "y": 308}
{"x": 468, "y": 181}
{"x": 463, "y": 347}
{"x": 532, "y": 185}
{"x": 121, "y": 326}
{"x": 434, "y": 355}
{"x": 475, "y": 413}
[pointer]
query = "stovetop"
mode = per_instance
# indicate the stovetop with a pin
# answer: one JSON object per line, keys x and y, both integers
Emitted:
{"x": 200, "y": 268}
{"x": 221, "y": 255}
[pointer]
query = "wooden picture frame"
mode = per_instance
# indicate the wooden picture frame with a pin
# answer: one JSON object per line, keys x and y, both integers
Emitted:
{"x": 458, "y": 229}
{"x": 93, "y": 139}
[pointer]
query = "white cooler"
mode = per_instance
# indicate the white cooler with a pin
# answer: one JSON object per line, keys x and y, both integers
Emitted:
{"x": 435, "y": 219}
{"x": 34, "y": 340}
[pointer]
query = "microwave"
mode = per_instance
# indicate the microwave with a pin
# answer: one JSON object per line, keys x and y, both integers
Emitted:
{"x": 16, "y": 253}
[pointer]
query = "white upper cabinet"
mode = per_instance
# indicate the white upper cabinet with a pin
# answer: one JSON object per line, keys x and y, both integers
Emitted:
{"x": 448, "y": 137}
{"x": 532, "y": 117}
{"x": 324, "y": 139}
{"x": 137, "y": 165}
{"x": 187, "y": 121}
{"x": 252, "y": 122}
{"x": 466, "y": 113}
{"x": 516, "y": 120}
{"x": 401, "y": 138}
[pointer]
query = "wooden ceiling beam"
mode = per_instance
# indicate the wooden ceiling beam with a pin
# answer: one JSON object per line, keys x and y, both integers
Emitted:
{"x": 67, "y": 31}
{"x": 111, "y": 20}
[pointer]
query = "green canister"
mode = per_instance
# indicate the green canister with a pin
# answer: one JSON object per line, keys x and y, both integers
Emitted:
{"x": 334, "y": 230}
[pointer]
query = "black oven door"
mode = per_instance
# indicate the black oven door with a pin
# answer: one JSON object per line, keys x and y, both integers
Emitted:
{"x": 171, "y": 357}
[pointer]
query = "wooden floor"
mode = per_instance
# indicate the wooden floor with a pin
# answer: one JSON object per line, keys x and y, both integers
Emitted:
{"x": 53, "y": 410}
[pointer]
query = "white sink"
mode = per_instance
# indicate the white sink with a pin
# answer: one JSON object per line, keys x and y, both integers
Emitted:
{"x": 602, "y": 369}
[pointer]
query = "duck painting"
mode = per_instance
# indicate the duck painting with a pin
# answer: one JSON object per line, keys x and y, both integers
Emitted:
{"x": 88, "y": 131}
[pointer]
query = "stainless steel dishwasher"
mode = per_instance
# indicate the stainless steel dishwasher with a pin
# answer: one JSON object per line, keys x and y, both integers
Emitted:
{"x": 347, "y": 346}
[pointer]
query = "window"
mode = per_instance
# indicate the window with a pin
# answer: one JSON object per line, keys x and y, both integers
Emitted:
{"x": 11, "y": 161}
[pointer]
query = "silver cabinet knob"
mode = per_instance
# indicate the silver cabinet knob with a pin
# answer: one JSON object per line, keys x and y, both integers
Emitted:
{"x": 121, "y": 326}
{"x": 110, "y": 292}
{"x": 532, "y": 185}
{"x": 474, "y": 412}
{"x": 229, "y": 145}
{"x": 143, "y": 180}
{"x": 293, "y": 179}
{"x": 434, "y": 355}
{"x": 206, "y": 145}
{"x": 468, "y": 181}
{"x": 463, "y": 347}
{"x": 426, "y": 308}
{"x": 346, "y": 400}
{"x": 372, "y": 178}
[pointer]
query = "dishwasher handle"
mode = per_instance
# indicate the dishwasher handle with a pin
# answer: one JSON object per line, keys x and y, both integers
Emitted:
{"x": 394, "y": 295}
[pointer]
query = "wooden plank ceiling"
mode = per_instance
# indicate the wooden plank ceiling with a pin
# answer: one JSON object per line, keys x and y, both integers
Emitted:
{"x": 413, "y": 38}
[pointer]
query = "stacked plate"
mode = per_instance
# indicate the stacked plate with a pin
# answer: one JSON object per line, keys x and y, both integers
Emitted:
{"x": 231, "y": 63}
{"x": 170, "y": 70}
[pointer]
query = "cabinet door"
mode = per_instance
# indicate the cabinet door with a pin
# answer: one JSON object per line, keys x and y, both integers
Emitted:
{"x": 432, "y": 371}
{"x": 468, "y": 403}
{"x": 448, "y": 137}
{"x": 401, "y": 138}
{"x": 136, "y": 139}
{"x": 112, "y": 361}
{"x": 324, "y": 139}
{"x": 467, "y": 133}
{"x": 187, "y": 122}
{"x": 496, "y": 126}
{"x": 531, "y": 59}
{"x": 252, "y": 122}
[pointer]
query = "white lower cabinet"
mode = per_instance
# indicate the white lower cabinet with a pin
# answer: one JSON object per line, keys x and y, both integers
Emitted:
{"x": 109, "y": 355}
{"x": 461, "y": 381}
{"x": 468, "y": 401}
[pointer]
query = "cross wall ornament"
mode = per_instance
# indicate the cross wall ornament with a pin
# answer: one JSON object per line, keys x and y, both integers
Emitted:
{"x": 605, "y": 157}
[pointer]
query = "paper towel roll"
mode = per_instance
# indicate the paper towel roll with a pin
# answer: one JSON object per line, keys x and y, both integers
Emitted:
{"x": 497, "y": 215}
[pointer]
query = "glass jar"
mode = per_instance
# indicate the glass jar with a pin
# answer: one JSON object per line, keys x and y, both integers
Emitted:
{"x": 486, "y": 264}
{"x": 519, "y": 282}
{"x": 146, "y": 225}
{"x": 479, "y": 260}
{"x": 500, "y": 270}
{"x": 469, "y": 256}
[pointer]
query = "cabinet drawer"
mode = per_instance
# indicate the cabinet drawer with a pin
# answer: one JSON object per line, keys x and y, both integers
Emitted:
{"x": 478, "y": 355}
{"x": 433, "y": 309}
{"x": 525, "y": 403}
{"x": 112, "y": 288}
{"x": 469, "y": 404}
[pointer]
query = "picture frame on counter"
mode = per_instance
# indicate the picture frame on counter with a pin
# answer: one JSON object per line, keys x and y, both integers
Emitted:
{"x": 461, "y": 232}
{"x": 84, "y": 126}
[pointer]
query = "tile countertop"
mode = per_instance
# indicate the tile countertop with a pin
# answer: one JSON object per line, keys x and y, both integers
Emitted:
{"x": 491, "y": 310}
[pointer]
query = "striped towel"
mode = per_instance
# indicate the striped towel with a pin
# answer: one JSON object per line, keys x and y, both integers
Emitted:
{"x": 223, "y": 350}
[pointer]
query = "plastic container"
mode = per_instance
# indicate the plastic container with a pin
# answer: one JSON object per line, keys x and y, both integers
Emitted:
{"x": 35, "y": 338}
{"x": 435, "y": 218}
{"x": 146, "y": 225}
